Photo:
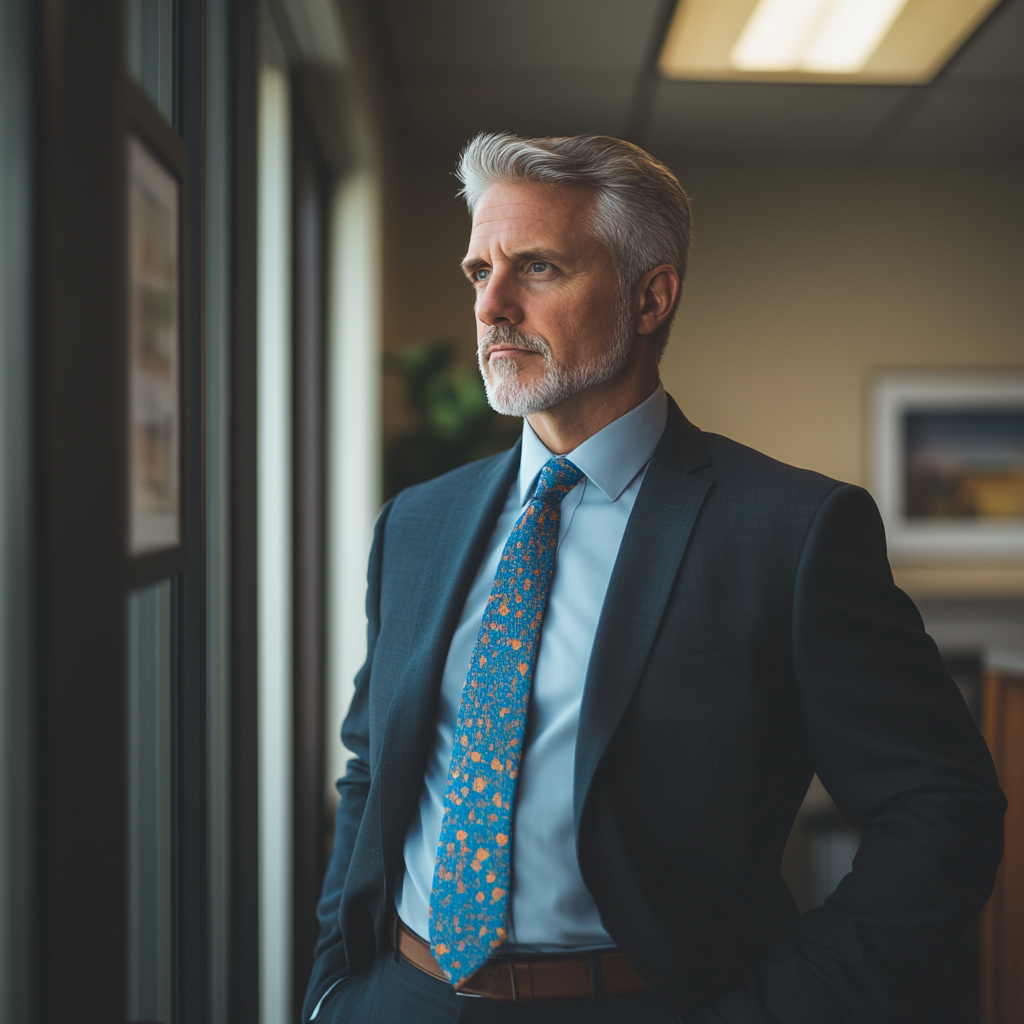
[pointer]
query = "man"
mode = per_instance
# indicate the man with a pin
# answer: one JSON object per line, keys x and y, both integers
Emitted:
{"x": 603, "y": 667}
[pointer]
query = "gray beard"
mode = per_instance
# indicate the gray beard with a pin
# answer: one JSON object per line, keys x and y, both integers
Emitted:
{"x": 511, "y": 397}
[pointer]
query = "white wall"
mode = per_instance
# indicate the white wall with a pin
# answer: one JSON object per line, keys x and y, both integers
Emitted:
{"x": 354, "y": 444}
{"x": 274, "y": 707}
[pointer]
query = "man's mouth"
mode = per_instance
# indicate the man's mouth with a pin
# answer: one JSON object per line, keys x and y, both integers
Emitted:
{"x": 510, "y": 350}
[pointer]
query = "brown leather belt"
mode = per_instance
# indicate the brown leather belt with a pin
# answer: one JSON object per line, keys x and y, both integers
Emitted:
{"x": 535, "y": 977}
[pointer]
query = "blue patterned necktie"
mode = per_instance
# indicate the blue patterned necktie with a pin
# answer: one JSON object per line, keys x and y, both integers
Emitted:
{"x": 469, "y": 899}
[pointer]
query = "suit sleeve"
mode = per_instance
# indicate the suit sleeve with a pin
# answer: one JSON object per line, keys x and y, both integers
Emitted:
{"x": 329, "y": 955}
{"x": 895, "y": 746}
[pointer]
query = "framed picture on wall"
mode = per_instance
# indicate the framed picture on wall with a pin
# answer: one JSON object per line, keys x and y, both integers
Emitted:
{"x": 947, "y": 462}
{"x": 154, "y": 343}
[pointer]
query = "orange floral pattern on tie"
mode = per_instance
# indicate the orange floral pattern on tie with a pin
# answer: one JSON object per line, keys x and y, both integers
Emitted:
{"x": 469, "y": 898}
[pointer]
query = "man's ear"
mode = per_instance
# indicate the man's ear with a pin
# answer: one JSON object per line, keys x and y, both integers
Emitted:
{"x": 657, "y": 292}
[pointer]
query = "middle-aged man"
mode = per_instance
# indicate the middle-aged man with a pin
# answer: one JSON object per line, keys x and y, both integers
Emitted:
{"x": 603, "y": 666}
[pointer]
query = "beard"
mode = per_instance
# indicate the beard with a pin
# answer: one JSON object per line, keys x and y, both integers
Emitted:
{"x": 510, "y": 396}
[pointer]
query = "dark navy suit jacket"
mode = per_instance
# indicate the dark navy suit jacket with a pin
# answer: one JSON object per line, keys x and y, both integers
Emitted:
{"x": 751, "y": 635}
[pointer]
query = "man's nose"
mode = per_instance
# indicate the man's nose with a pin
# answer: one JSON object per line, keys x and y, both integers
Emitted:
{"x": 498, "y": 302}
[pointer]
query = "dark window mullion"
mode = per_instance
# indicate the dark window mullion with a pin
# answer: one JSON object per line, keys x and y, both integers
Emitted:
{"x": 244, "y": 898}
{"x": 81, "y": 307}
{"x": 309, "y": 254}
{"x": 190, "y": 746}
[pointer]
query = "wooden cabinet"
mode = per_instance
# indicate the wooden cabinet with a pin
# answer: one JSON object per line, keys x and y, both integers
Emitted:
{"x": 1002, "y": 923}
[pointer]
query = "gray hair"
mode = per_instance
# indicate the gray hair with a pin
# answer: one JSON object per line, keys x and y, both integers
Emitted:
{"x": 642, "y": 213}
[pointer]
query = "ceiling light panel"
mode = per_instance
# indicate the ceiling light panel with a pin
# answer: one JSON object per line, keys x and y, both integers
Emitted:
{"x": 849, "y": 34}
{"x": 777, "y": 34}
{"x": 871, "y": 41}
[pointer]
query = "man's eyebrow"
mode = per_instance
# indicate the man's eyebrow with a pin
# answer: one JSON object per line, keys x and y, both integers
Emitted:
{"x": 542, "y": 256}
{"x": 472, "y": 262}
{"x": 521, "y": 255}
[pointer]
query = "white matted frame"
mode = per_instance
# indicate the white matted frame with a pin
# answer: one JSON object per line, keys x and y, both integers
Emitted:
{"x": 894, "y": 397}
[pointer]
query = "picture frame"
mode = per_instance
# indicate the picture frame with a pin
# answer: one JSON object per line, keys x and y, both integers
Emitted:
{"x": 947, "y": 463}
{"x": 154, "y": 340}
{"x": 156, "y": 370}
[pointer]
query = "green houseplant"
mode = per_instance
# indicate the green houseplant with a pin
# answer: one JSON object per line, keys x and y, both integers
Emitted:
{"x": 454, "y": 423}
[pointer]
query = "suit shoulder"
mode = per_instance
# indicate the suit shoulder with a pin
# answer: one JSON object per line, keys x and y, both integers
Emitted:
{"x": 752, "y": 470}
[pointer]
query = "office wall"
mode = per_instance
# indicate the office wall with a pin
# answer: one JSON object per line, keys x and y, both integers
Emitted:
{"x": 804, "y": 278}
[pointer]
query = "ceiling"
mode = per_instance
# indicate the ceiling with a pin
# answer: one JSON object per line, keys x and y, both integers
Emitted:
{"x": 568, "y": 67}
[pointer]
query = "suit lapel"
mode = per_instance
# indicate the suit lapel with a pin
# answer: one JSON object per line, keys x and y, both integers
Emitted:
{"x": 645, "y": 570}
{"x": 457, "y": 547}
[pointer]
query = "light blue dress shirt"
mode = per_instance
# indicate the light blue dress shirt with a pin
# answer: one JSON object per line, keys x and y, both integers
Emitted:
{"x": 550, "y": 909}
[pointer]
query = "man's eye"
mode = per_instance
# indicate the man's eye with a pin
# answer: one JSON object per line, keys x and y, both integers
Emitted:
{"x": 539, "y": 268}
{"x": 481, "y": 274}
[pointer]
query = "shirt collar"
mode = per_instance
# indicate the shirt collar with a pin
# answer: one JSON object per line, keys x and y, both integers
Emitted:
{"x": 612, "y": 457}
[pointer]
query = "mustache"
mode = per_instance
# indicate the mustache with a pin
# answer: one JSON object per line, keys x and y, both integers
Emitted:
{"x": 502, "y": 335}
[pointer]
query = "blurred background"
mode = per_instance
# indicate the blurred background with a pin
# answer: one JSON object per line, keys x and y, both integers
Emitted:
{"x": 232, "y": 322}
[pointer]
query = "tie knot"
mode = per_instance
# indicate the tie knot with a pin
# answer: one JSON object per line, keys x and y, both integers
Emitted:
{"x": 558, "y": 477}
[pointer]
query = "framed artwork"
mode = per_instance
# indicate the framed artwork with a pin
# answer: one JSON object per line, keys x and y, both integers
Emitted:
{"x": 947, "y": 462}
{"x": 154, "y": 347}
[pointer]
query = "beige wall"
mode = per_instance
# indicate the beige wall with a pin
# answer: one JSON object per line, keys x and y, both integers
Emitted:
{"x": 804, "y": 278}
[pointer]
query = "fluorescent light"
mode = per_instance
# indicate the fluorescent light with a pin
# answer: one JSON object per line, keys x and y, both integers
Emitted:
{"x": 837, "y": 36}
{"x": 777, "y": 33}
{"x": 850, "y": 34}
{"x": 817, "y": 40}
